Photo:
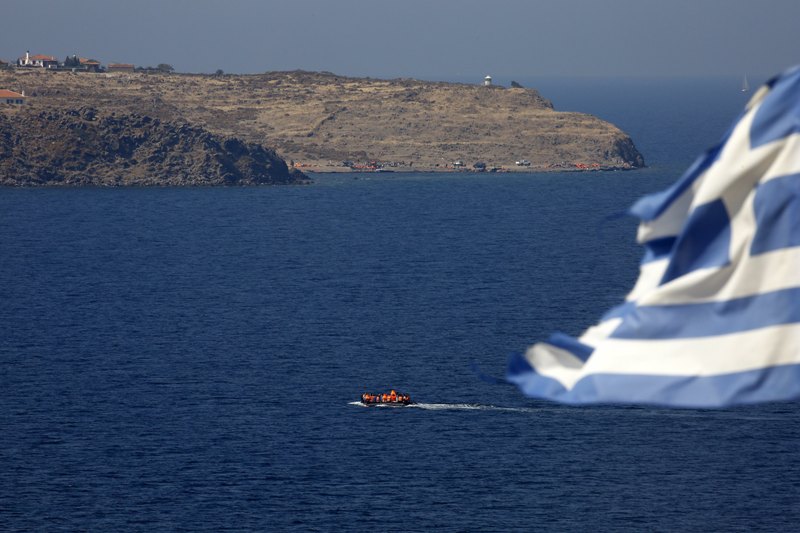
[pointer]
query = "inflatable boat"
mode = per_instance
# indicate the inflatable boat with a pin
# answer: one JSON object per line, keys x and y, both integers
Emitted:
{"x": 392, "y": 398}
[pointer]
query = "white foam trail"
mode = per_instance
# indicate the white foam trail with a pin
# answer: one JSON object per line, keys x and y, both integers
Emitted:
{"x": 457, "y": 407}
{"x": 630, "y": 410}
{"x": 471, "y": 407}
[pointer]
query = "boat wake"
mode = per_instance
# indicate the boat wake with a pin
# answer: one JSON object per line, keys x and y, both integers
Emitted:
{"x": 456, "y": 407}
{"x": 549, "y": 408}
{"x": 471, "y": 407}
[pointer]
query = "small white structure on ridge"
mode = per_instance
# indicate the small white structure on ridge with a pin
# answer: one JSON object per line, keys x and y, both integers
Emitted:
{"x": 487, "y": 81}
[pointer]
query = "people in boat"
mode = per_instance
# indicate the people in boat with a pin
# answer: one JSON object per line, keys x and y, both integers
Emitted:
{"x": 391, "y": 397}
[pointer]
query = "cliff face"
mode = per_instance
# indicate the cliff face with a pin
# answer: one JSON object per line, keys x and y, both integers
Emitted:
{"x": 86, "y": 147}
{"x": 314, "y": 118}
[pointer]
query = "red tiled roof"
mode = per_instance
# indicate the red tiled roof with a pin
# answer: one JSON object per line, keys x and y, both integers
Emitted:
{"x": 85, "y": 61}
{"x": 5, "y": 93}
{"x": 42, "y": 57}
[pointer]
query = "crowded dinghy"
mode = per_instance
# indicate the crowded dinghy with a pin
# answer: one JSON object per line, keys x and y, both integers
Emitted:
{"x": 392, "y": 398}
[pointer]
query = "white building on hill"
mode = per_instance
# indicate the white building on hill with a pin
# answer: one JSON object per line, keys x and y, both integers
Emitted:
{"x": 10, "y": 97}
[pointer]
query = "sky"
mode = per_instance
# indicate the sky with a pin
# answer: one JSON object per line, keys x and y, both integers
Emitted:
{"x": 430, "y": 39}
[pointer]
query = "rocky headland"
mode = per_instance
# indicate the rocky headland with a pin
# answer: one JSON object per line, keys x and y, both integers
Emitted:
{"x": 86, "y": 146}
{"x": 318, "y": 121}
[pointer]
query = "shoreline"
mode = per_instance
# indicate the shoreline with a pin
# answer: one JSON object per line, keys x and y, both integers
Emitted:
{"x": 338, "y": 169}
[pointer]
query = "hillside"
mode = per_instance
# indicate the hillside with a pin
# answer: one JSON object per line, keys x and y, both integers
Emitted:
{"x": 89, "y": 147}
{"x": 319, "y": 119}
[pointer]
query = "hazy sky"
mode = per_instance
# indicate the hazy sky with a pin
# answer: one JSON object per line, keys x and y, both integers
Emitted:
{"x": 435, "y": 39}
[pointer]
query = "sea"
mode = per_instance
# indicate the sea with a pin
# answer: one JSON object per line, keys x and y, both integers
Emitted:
{"x": 191, "y": 359}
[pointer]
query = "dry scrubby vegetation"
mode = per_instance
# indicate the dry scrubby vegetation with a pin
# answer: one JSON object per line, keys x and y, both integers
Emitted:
{"x": 86, "y": 147}
{"x": 317, "y": 118}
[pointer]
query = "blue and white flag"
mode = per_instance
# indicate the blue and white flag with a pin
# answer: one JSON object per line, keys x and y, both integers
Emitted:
{"x": 714, "y": 318}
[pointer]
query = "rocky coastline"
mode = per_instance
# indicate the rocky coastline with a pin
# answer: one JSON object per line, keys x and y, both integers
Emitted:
{"x": 85, "y": 146}
{"x": 170, "y": 129}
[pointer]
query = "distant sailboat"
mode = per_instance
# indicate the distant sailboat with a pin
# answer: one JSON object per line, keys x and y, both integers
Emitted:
{"x": 745, "y": 85}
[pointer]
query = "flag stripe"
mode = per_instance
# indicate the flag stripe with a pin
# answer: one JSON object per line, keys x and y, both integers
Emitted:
{"x": 777, "y": 213}
{"x": 734, "y": 352}
{"x": 747, "y": 276}
{"x": 682, "y": 321}
{"x": 753, "y": 386}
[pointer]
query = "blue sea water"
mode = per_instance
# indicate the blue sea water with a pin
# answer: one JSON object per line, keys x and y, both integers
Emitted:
{"x": 189, "y": 359}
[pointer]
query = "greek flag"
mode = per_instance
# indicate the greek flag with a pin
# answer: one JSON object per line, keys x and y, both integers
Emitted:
{"x": 714, "y": 318}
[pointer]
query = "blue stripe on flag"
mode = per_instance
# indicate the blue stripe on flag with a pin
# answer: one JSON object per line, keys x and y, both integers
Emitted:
{"x": 658, "y": 249}
{"x": 769, "y": 384}
{"x": 704, "y": 242}
{"x": 571, "y": 345}
{"x": 777, "y": 211}
{"x": 779, "y": 114}
{"x": 711, "y": 318}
